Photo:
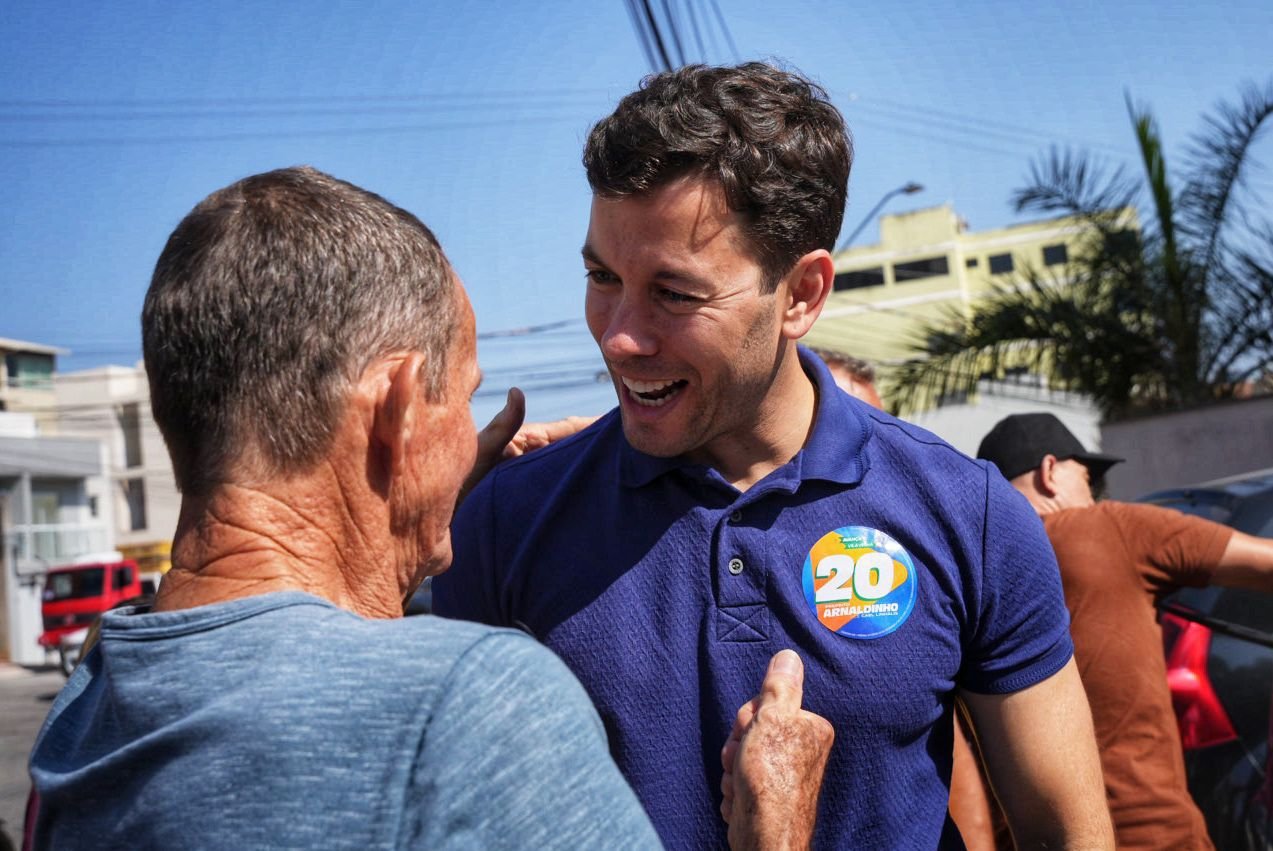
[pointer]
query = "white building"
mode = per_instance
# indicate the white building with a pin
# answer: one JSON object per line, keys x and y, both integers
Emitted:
{"x": 112, "y": 404}
{"x": 54, "y": 508}
{"x": 26, "y": 381}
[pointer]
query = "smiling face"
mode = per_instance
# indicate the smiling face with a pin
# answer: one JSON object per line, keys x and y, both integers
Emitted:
{"x": 675, "y": 303}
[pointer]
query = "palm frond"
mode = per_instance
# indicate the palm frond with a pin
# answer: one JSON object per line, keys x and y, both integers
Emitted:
{"x": 1219, "y": 156}
{"x": 1149, "y": 142}
{"x": 1081, "y": 335}
{"x": 1243, "y": 337}
{"x": 1174, "y": 314}
{"x": 1065, "y": 182}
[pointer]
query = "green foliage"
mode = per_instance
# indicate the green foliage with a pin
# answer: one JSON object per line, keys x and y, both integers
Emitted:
{"x": 1175, "y": 314}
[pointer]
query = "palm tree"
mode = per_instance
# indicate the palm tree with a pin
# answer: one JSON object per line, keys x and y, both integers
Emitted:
{"x": 1175, "y": 314}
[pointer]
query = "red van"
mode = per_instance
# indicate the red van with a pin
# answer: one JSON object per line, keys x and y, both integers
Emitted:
{"x": 75, "y": 595}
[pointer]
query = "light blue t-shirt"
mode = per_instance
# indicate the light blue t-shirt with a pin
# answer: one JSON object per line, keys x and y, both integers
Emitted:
{"x": 283, "y": 721}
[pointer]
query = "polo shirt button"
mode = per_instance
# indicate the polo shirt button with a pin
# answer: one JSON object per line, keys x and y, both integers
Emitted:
{"x": 735, "y": 566}
{"x": 735, "y": 516}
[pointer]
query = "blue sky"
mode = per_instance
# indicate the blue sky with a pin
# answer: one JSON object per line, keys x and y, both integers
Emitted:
{"x": 116, "y": 118}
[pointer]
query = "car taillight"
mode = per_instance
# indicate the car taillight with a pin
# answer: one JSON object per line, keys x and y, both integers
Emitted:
{"x": 1203, "y": 721}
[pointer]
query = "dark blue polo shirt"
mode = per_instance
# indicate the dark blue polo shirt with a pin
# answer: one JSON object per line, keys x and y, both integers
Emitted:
{"x": 897, "y": 567}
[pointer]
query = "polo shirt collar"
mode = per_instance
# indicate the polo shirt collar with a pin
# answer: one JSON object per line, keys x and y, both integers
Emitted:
{"x": 636, "y": 469}
{"x": 834, "y": 452}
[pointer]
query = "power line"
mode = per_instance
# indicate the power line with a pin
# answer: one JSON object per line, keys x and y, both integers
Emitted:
{"x": 673, "y": 28}
{"x": 279, "y": 134}
{"x": 963, "y": 124}
{"x": 653, "y": 29}
{"x": 698, "y": 35}
{"x": 252, "y": 111}
{"x": 724, "y": 28}
{"x": 164, "y": 103}
{"x": 530, "y": 329}
{"x": 249, "y": 115}
{"x": 925, "y": 133}
{"x": 634, "y": 16}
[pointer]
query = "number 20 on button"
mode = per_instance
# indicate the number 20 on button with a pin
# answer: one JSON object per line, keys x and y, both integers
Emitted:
{"x": 859, "y": 582}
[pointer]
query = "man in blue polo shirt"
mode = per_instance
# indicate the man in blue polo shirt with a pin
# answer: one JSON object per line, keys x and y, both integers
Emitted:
{"x": 737, "y": 502}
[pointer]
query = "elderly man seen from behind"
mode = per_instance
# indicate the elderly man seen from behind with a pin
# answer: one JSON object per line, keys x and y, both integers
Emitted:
{"x": 311, "y": 358}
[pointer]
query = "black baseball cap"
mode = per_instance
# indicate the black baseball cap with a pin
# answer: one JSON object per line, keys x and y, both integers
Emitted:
{"x": 1018, "y": 443}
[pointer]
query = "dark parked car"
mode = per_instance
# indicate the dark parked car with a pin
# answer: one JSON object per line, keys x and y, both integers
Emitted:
{"x": 1219, "y": 646}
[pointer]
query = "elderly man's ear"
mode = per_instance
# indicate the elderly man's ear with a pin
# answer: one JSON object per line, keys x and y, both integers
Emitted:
{"x": 393, "y": 387}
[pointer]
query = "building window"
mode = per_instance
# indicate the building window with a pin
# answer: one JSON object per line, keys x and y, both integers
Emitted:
{"x": 914, "y": 270}
{"x": 1000, "y": 264}
{"x": 859, "y": 278}
{"x": 44, "y": 506}
{"x": 1123, "y": 241}
{"x": 1055, "y": 255}
{"x": 29, "y": 371}
{"x": 135, "y": 495}
{"x": 123, "y": 577}
{"x": 130, "y": 424}
{"x": 971, "y": 263}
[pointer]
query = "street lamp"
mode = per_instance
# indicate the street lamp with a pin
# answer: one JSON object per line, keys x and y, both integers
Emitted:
{"x": 908, "y": 189}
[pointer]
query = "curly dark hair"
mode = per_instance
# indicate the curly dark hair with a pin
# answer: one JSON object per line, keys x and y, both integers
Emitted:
{"x": 772, "y": 138}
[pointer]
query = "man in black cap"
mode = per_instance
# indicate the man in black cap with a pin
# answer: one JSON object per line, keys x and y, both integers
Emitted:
{"x": 1115, "y": 559}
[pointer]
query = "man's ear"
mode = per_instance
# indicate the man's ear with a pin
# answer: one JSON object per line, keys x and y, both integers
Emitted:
{"x": 396, "y": 407}
{"x": 808, "y": 285}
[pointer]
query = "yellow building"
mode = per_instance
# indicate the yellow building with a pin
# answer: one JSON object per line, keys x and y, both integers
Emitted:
{"x": 929, "y": 266}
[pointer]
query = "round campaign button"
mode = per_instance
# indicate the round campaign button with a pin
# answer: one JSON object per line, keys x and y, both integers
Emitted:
{"x": 859, "y": 582}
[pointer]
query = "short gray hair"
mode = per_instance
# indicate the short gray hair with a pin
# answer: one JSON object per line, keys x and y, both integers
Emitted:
{"x": 269, "y": 300}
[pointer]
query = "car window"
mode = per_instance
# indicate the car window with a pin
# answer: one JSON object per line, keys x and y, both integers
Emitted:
{"x": 1254, "y": 516}
{"x": 75, "y": 584}
{"x": 1218, "y": 511}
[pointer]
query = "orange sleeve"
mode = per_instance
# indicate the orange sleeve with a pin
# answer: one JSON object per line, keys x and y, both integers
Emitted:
{"x": 1172, "y": 548}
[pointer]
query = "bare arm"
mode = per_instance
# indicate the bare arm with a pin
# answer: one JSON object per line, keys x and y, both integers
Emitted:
{"x": 1040, "y": 751}
{"x": 1247, "y": 562}
{"x": 773, "y": 763}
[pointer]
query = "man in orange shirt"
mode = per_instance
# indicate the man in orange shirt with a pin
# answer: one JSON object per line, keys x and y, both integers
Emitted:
{"x": 1116, "y": 559}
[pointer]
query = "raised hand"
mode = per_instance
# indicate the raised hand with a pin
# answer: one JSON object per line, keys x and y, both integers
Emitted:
{"x": 774, "y": 760}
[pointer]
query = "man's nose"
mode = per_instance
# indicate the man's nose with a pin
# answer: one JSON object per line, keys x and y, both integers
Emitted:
{"x": 630, "y": 331}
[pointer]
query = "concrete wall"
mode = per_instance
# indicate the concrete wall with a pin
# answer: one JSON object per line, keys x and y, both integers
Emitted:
{"x": 963, "y": 426}
{"x": 1188, "y": 447}
{"x": 1163, "y": 451}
